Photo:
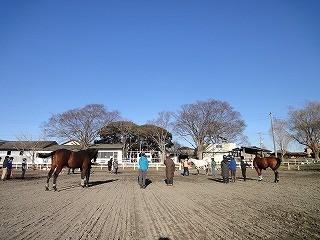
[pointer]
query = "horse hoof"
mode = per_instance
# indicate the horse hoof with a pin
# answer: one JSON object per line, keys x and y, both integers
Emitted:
{"x": 55, "y": 189}
{"x": 47, "y": 189}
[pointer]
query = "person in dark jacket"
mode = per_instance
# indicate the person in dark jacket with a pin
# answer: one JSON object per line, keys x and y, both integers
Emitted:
{"x": 9, "y": 173}
{"x": 110, "y": 165}
{"x": 24, "y": 167}
{"x": 170, "y": 169}
{"x": 225, "y": 169}
{"x": 5, "y": 168}
{"x": 244, "y": 168}
{"x": 233, "y": 168}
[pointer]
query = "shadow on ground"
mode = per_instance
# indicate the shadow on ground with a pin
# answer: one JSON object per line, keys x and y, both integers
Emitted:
{"x": 221, "y": 180}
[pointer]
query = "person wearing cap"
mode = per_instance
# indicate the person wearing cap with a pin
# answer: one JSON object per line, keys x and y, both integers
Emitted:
{"x": 24, "y": 167}
{"x": 244, "y": 165}
{"x": 143, "y": 167}
{"x": 225, "y": 169}
{"x": 170, "y": 169}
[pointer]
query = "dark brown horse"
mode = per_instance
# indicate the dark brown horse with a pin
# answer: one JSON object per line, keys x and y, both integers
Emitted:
{"x": 66, "y": 158}
{"x": 260, "y": 163}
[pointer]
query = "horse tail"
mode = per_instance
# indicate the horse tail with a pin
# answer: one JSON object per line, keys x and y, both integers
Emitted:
{"x": 278, "y": 163}
{"x": 46, "y": 155}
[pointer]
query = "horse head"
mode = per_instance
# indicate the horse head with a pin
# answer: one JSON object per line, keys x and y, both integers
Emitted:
{"x": 93, "y": 154}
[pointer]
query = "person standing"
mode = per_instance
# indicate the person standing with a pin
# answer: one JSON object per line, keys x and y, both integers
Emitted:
{"x": 143, "y": 167}
{"x": 10, "y": 174}
{"x": 115, "y": 166}
{"x": 170, "y": 169}
{"x": 186, "y": 167}
{"x": 110, "y": 165}
{"x": 213, "y": 167}
{"x": 244, "y": 165}
{"x": 24, "y": 167}
{"x": 5, "y": 168}
{"x": 225, "y": 169}
{"x": 233, "y": 168}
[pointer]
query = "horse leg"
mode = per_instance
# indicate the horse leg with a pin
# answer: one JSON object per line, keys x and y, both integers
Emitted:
{"x": 276, "y": 176}
{"x": 198, "y": 171}
{"x": 48, "y": 178}
{"x": 54, "y": 179}
{"x": 259, "y": 173}
{"x": 87, "y": 176}
{"x": 83, "y": 176}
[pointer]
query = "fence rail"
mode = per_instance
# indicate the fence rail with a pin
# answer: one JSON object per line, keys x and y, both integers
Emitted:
{"x": 134, "y": 165}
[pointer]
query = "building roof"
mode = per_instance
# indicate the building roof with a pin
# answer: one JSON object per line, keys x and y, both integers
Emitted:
{"x": 26, "y": 145}
{"x": 251, "y": 150}
{"x": 50, "y": 146}
{"x": 107, "y": 146}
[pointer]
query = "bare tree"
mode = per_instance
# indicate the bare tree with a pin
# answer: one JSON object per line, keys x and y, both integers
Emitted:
{"x": 243, "y": 140}
{"x": 29, "y": 147}
{"x": 160, "y": 133}
{"x": 304, "y": 125}
{"x": 207, "y": 122}
{"x": 175, "y": 148}
{"x": 282, "y": 137}
{"x": 81, "y": 124}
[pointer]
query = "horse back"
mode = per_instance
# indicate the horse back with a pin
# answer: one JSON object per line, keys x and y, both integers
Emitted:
{"x": 79, "y": 159}
{"x": 60, "y": 157}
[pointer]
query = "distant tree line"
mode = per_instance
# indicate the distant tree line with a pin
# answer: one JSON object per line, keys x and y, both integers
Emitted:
{"x": 200, "y": 124}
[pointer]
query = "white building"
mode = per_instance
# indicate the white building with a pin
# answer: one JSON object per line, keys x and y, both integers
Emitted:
{"x": 217, "y": 151}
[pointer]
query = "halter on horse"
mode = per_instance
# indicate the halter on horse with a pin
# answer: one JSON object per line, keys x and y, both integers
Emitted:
{"x": 66, "y": 158}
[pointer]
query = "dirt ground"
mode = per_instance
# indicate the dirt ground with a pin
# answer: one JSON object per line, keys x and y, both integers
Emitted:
{"x": 196, "y": 207}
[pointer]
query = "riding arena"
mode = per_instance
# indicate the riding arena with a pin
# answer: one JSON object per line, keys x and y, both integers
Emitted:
{"x": 197, "y": 206}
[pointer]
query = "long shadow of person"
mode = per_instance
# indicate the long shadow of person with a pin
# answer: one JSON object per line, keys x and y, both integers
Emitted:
{"x": 148, "y": 182}
{"x": 216, "y": 179}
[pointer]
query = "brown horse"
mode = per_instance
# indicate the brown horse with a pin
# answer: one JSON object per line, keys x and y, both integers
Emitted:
{"x": 260, "y": 163}
{"x": 66, "y": 158}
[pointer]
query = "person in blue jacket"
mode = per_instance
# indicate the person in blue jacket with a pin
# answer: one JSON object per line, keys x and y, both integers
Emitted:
{"x": 233, "y": 168}
{"x": 9, "y": 174}
{"x": 143, "y": 167}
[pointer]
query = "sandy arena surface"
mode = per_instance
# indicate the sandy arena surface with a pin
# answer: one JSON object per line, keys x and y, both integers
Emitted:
{"x": 196, "y": 207}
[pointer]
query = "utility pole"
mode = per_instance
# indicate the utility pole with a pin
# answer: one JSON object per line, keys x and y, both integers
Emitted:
{"x": 274, "y": 142}
{"x": 260, "y": 140}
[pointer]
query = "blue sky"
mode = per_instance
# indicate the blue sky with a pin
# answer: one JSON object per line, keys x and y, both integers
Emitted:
{"x": 143, "y": 57}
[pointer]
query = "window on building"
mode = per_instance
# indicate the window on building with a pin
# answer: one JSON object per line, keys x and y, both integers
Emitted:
{"x": 108, "y": 155}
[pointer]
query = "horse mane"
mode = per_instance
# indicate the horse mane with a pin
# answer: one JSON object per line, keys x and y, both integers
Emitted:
{"x": 46, "y": 155}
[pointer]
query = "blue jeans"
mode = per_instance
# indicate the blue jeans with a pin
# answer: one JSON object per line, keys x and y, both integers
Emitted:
{"x": 185, "y": 171}
{"x": 142, "y": 177}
